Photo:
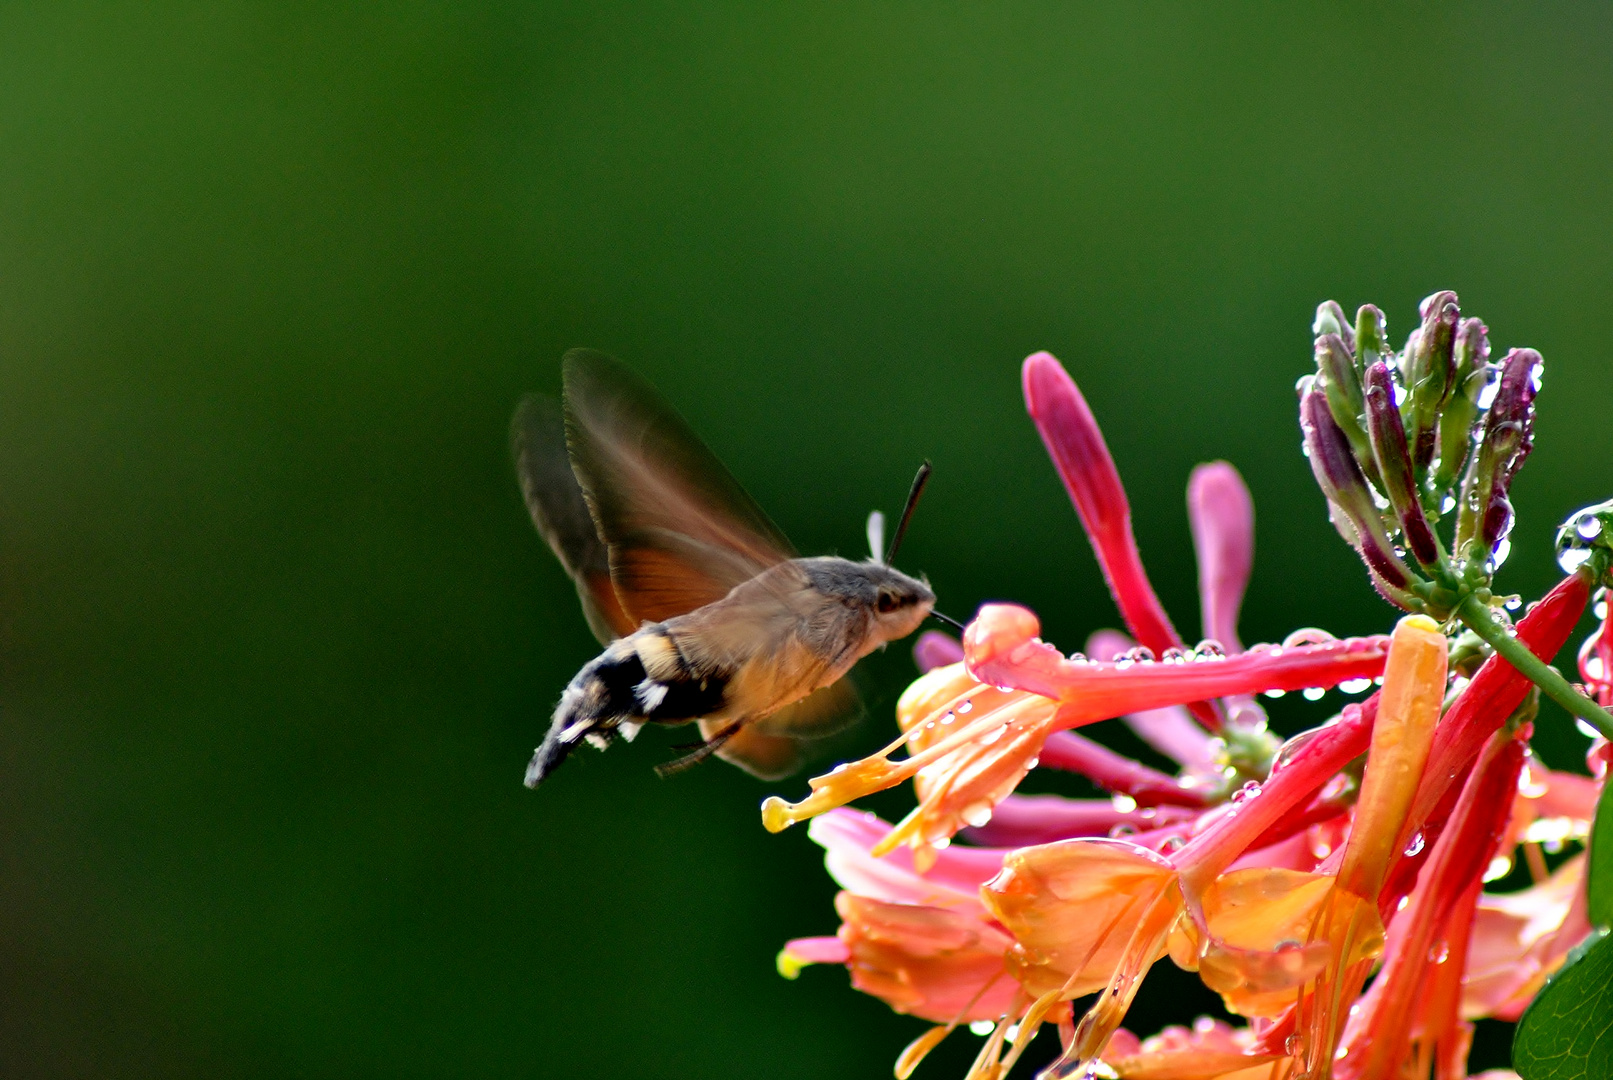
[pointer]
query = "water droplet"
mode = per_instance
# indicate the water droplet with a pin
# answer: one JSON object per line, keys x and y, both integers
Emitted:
{"x": 1600, "y": 610}
{"x": 1125, "y": 804}
{"x": 1290, "y": 1044}
{"x": 1440, "y": 953}
{"x": 966, "y": 706}
{"x": 1209, "y": 649}
{"x": 1589, "y": 526}
{"x": 982, "y": 1027}
{"x": 1172, "y": 843}
{"x": 1354, "y": 686}
{"x": 1124, "y": 662}
{"x": 1274, "y": 694}
{"x": 1499, "y": 867}
{"x": 947, "y": 719}
{"x": 992, "y": 736}
{"x": 1313, "y": 693}
{"x": 1502, "y": 549}
{"x": 1447, "y": 504}
{"x": 1309, "y": 635}
{"x": 941, "y": 843}
{"x": 1571, "y": 559}
{"x": 1121, "y": 831}
{"x": 1032, "y": 763}
{"x": 1173, "y": 655}
{"x": 1204, "y": 1025}
{"x": 1512, "y": 603}
{"x": 1142, "y": 654}
{"x": 1415, "y": 846}
{"x": 1586, "y": 729}
{"x": 977, "y": 814}
{"x": 1078, "y": 658}
{"x": 1487, "y": 395}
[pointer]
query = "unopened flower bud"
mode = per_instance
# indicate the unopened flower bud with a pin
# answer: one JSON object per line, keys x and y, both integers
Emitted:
{"x": 1472, "y": 372}
{"x": 1394, "y": 464}
{"x": 1330, "y": 320}
{"x": 1426, "y": 369}
{"x": 1337, "y": 377}
{"x": 1486, "y": 513}
{"x": 1371, "y": 337}
{"x": 1354, "y": 513}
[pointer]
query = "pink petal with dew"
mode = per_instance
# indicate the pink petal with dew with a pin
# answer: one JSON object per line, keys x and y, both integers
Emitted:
{"x": 1022, "y": 820}
{"x": 1001, "y": 648}
{"x": 1170, "y": 730}
{"x": 1223, "y": 519}
{"x": 953, "y": 882}
{"x": 1114, "y": 772}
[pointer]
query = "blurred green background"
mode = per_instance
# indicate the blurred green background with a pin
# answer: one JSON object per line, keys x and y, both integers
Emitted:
{"x": 278, "y": 637}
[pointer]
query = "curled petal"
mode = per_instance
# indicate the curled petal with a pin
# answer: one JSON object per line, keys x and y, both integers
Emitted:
{"x": 1072, "y": 907}
{"x": 934, "y": 963}
{"x": 1223, "y": 518}
{"x": 1207, "y": 1050}
{"x": 1520, "y": 938}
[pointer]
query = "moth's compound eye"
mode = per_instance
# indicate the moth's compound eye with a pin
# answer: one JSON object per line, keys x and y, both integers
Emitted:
{"x": 886, "y": 603}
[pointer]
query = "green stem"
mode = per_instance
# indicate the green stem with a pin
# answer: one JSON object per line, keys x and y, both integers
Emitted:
{"x": 1476, "y": 614}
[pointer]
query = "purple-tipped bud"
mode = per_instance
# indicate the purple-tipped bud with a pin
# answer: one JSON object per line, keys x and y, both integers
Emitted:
{"x": 1426, "y": 369}
{"x": 1486, "y": 514}
{"x": 1371, "y": 337}
{"x": 1394, "y": 463}
{"x": 1330, "y": 320}
{"x": 1354, "y": 513}
{"x": 1472, "y": 373}
{"x": 1337, "y": 377}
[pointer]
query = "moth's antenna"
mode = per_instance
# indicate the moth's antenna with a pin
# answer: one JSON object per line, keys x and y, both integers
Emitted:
{"x": 913, "y": 494}
{"x": 949, "y": 620}
{"x": 701, "y": 752}
{"x": 876, "y": 534}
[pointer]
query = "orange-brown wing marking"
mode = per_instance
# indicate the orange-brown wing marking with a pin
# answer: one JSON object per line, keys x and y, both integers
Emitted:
{"x": 555, "y": 501}
{"x": 679, "y": 529}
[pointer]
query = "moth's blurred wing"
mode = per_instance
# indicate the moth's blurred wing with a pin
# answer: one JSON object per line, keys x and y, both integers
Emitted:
{"x": 822, "y": 713}
{"x": 776, "y": 745}
{"x": 679, "y": 529}
{"x": 558, "y": 509}
{"x": 766, "y": 757}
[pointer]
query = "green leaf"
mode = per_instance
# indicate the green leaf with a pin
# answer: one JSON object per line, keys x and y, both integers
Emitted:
{"x": 1567, "y": 1031}
{"x": 1600, "y": 880}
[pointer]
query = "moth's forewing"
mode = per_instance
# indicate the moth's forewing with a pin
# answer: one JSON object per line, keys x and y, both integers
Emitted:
{"x": 679, "y": 529}
{"x": 555, "y": 501}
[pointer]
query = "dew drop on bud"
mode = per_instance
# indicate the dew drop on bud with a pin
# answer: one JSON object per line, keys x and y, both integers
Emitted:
{"x": 1415, "y": 847}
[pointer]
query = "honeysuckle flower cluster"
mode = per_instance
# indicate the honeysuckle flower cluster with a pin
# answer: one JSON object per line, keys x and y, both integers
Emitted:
{"x": 1339, "y": 890}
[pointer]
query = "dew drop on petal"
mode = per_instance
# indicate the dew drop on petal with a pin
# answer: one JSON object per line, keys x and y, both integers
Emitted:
{"x": 1122, "y": 830}
{"x": 1585, "y": 729}
{"x": 1415, "y": 846}
{"x": 1275, "y": 694}
{"x": 1354, "y": 686}
{"x": 941, "y": 843}
{"x": 977, "y": 814}
{"x": 1125, "y": 804}
{"x": 1313, "y": 693}
{"x": 966, "y": 707}
{"x": 1499, "y": 867}
{"x": 1440, "y": 953}
{"x": 982, "y": 1027}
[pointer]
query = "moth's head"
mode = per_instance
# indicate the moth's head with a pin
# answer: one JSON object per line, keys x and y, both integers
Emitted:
{"x": 895, "y": 603}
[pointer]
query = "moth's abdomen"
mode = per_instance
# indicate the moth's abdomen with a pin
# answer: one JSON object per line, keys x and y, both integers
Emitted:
{"x": 641, "y": 678}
